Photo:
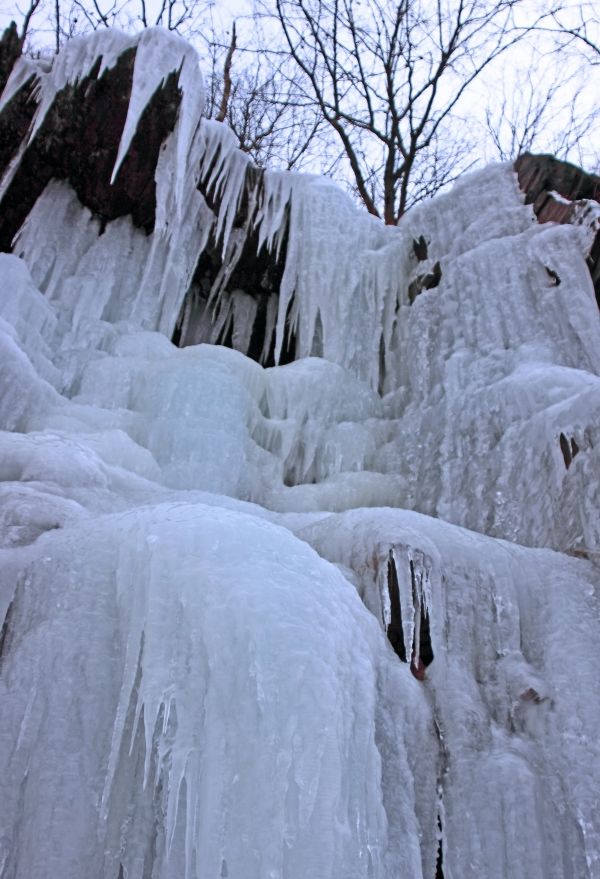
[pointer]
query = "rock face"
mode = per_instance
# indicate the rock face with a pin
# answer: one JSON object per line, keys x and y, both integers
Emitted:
{"x": 562, "y": 193}
{"x": 78, "y": 142}
{"x": 540, "y": 175}
{"x": 10, "y": 51}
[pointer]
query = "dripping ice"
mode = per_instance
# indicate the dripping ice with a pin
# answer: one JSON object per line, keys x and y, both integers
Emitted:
{"x": 195, "y": 675}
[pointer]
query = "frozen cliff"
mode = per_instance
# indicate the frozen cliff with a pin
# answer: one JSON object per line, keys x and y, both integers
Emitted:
{"x": 260, "y": 458}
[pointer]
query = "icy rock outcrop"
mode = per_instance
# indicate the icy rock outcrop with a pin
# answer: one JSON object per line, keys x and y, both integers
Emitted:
{"x": 119, "y": 119}
{"x": 216, "y": 578}
{"x": 563, "y": 193}
{"x": 69, "y": 124}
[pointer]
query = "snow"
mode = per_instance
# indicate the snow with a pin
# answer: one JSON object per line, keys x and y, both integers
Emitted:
{"x": 196, "y": 551}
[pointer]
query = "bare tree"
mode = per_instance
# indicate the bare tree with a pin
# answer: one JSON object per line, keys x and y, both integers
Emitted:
{"x": 27, "y": 17}
{"x": 59, "y": 20}
{"x": 182, "y": 16}
{"x": 577, "y": 26}
{"x": 540, "y": 111}
{"x": 387, "y": 78}
{"x": 244, "y": 88}
{"x": 247, "y": 90}
{"x": 226, "y": 88}
{"x": 548, "y": 101}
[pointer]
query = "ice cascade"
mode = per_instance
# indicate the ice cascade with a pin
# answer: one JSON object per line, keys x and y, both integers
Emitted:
{"x": 217, "y": 575}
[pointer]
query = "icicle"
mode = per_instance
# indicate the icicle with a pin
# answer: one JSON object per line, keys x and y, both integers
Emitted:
{"x": 402, "y": 561}
{"x": 271, "y": 219}
{"x": 223, "y": 173}
{"x": 159, "y": 54}
{"x": 131, "y": 671}
{"x": 22, "y": 71}
{"x": 74, "y": 62}
{"x": 383, "y": 588}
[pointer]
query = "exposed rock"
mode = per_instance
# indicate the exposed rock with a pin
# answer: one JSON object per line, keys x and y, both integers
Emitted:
{"x": 559, "y": 192}
{"x": 420, "y": 248}
{"x": 553, "y": 275}
{"x": 540, "y": 175}
{"x": 424, "y": 282}
{"x": 78, "y": 142}
{"x": 257, "y": 274}
{"x": 10, "y": 50}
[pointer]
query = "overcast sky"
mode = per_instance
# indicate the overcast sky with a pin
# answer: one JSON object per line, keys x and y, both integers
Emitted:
{"x": 503, "y": 85}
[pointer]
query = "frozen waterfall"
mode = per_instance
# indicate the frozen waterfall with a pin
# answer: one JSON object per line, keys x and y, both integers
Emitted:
{"x": 218, "y": 570}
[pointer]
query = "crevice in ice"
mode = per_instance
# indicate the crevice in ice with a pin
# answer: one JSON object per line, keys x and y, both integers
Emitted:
{"x": 417, "y": 622}
{"x": 424, "y": 282}
{"x": 381, "y": 382}
{"x": 420, "y": 248}
{"x": 441, "y": 811}
{"x": 4, "y": 631}
{"x": 439, "y": 863}
{"x": 569, "y": 449}
{"x": 395, "y": 631}
{"x": 552, "y": 274}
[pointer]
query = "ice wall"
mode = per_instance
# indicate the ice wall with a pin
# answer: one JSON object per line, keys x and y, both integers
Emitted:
{"x": 215, "y": 577}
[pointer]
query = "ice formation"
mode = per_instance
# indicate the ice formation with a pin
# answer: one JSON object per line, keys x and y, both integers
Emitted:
{"x": 216, "y": 576}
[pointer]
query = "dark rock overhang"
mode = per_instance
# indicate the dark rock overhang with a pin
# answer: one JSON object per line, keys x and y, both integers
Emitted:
{"x": 78, "y": 142}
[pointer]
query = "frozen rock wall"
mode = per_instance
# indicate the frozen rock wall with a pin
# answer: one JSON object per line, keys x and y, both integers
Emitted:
{"x": 217, "y": 573}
